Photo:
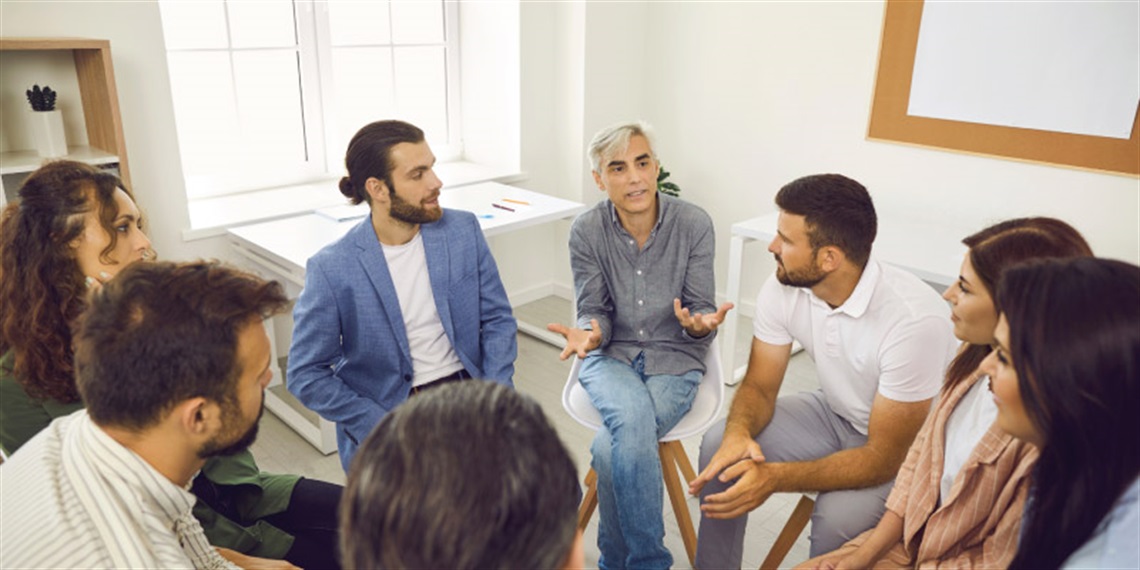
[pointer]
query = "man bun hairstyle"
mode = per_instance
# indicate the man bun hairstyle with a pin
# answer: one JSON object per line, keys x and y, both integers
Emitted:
{"x": 368, "y": 156}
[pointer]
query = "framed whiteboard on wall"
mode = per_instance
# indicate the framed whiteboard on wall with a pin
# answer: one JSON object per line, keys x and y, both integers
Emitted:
{"x": 1058, "y": 87}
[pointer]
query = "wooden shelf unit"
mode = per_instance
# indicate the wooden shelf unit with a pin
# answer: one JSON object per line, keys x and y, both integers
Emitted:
{"x": 100, "y": 100}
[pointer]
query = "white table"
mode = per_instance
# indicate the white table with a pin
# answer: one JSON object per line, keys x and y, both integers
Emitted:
{"x": 280, "y": 249}
{"x": 932, "y": 252}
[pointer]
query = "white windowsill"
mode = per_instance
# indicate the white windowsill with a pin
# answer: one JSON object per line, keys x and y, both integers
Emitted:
{"x": 211, "y": 217}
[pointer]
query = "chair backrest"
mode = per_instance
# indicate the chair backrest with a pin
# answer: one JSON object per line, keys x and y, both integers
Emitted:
{"x": 704, "y": 411}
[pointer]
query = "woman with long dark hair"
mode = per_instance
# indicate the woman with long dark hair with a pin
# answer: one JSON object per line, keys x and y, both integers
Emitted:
{"x": 957, "y": 498}
{"x": 73, "y": 227}
{"x": 1066, "y": 378}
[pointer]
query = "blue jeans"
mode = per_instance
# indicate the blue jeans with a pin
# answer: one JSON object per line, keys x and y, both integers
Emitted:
{"x": 636, "y": 410}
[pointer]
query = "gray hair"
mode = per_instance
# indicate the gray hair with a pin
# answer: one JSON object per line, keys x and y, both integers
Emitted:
{"x": 614, "y": 139}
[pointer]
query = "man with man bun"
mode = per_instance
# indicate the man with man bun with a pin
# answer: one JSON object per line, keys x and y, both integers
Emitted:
{"x": 409, "y": 299}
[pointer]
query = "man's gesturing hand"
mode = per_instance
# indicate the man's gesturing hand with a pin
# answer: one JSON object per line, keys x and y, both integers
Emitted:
{"x": 578, "y": 341}
{"x": 699, "y": 325}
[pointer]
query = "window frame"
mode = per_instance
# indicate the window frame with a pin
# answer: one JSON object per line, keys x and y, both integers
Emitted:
{"x": 317, "y": 92}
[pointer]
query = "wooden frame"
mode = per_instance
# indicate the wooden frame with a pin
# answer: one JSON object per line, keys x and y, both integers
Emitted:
{"x": 890, "y": 122}
{"x": 100, "y": 97}
{"x": 673, "y": 457}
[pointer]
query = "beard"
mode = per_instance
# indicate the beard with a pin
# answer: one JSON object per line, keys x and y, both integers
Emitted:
{"x": 216, "y": 447}
{"x": 404, "y": 211}
{"x": 808, "y": 277}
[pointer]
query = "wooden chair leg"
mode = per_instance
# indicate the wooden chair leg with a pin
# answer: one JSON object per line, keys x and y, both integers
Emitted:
{"x": 801, "y": 515}
{"x": 589, "y": 500}
{"x": 683, "y": 462}
{"x": 672, "y": 455}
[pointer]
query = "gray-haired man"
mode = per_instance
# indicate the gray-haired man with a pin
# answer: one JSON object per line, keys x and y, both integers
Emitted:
{"x": 643, "y": 276}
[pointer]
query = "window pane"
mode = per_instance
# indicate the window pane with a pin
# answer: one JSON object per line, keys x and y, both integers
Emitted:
{"x": 269, "y": 104}
{"x": 421, "y": 89}
{"x": 262, "y": 23}
{"x": 246, "y": 118}
{"x": 417, "y": 22}
{"x": 354, "y": 23}
{"x": 190, "y": 25}
{"x": 363, "y": 80}
{"x": 203, "y": 109}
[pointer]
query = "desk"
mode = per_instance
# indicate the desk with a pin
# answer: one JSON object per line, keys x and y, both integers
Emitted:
{"x": 932, "y": 252}
{"x": 280, "y": 249}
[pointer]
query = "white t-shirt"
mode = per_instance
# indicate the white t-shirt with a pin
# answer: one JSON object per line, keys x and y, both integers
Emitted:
{"x": 969, "y": 421}
{"x": 892, "y": 336}
{"x": 432, "y": 354}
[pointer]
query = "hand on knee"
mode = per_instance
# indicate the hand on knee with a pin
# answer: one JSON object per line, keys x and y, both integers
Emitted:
{"x": 753, "y": 483}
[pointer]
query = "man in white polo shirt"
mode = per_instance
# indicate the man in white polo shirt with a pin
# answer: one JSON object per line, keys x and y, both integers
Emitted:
{"x": 880, "y": 339}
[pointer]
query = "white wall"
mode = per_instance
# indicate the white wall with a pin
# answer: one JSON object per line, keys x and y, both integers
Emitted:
{"x": 616, "y": 76}
{"x": 550, "y": 109}
{"x": 750, "y": 96}
{"x": 745, "y": 97}
{"x": 583, "y": 68}
{"x": 489, "y": 82}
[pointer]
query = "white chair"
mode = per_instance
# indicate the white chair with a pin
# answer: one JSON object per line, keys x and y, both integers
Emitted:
{"x": 705, "y": 410}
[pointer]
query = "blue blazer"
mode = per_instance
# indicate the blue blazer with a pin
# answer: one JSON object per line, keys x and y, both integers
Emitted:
{"x": 350, "y": 361}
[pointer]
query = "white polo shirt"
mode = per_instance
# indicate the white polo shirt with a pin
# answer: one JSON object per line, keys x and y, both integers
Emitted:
{"x": 892, "y": 336}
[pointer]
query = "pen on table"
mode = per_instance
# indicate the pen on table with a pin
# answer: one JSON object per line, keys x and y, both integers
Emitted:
{"x": 502, "y": 207}
{"x": 516, "y": 201}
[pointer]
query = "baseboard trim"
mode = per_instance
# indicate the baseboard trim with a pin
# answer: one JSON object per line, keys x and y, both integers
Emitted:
{"x": 536, "y": 292}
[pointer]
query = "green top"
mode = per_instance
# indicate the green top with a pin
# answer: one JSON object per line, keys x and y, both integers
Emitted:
{"x": 237, "y": 480}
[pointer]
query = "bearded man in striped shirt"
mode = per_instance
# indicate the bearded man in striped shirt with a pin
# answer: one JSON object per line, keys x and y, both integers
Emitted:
{"x": 172, "y": 362}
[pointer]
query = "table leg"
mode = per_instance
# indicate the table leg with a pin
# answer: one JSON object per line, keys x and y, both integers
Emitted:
{"x": 728, "y": 334}
{"x": 321, "y": 435}
{"x": 274, "y": 356}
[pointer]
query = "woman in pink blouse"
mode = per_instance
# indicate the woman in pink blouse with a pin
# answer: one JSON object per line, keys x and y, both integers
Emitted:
{"x": 958, "y": 497}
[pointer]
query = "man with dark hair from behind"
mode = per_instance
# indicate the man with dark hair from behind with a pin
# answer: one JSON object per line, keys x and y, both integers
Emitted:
{"x": 880, "y": 340}
{"x": 470, "y": 475}
{"x": 172, "y": 361}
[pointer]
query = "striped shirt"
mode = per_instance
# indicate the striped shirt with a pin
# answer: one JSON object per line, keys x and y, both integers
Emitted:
{"x": 73, "y": 497}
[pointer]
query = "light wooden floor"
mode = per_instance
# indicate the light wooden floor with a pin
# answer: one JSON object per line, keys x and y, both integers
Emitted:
{"x": 540, "y": 374}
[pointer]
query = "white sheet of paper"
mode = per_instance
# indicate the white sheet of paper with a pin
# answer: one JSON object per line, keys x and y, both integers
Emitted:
{"x": 1071, "y": 67}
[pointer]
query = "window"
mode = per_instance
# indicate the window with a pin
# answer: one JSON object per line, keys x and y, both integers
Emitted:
{"x": 268, "y": 92}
